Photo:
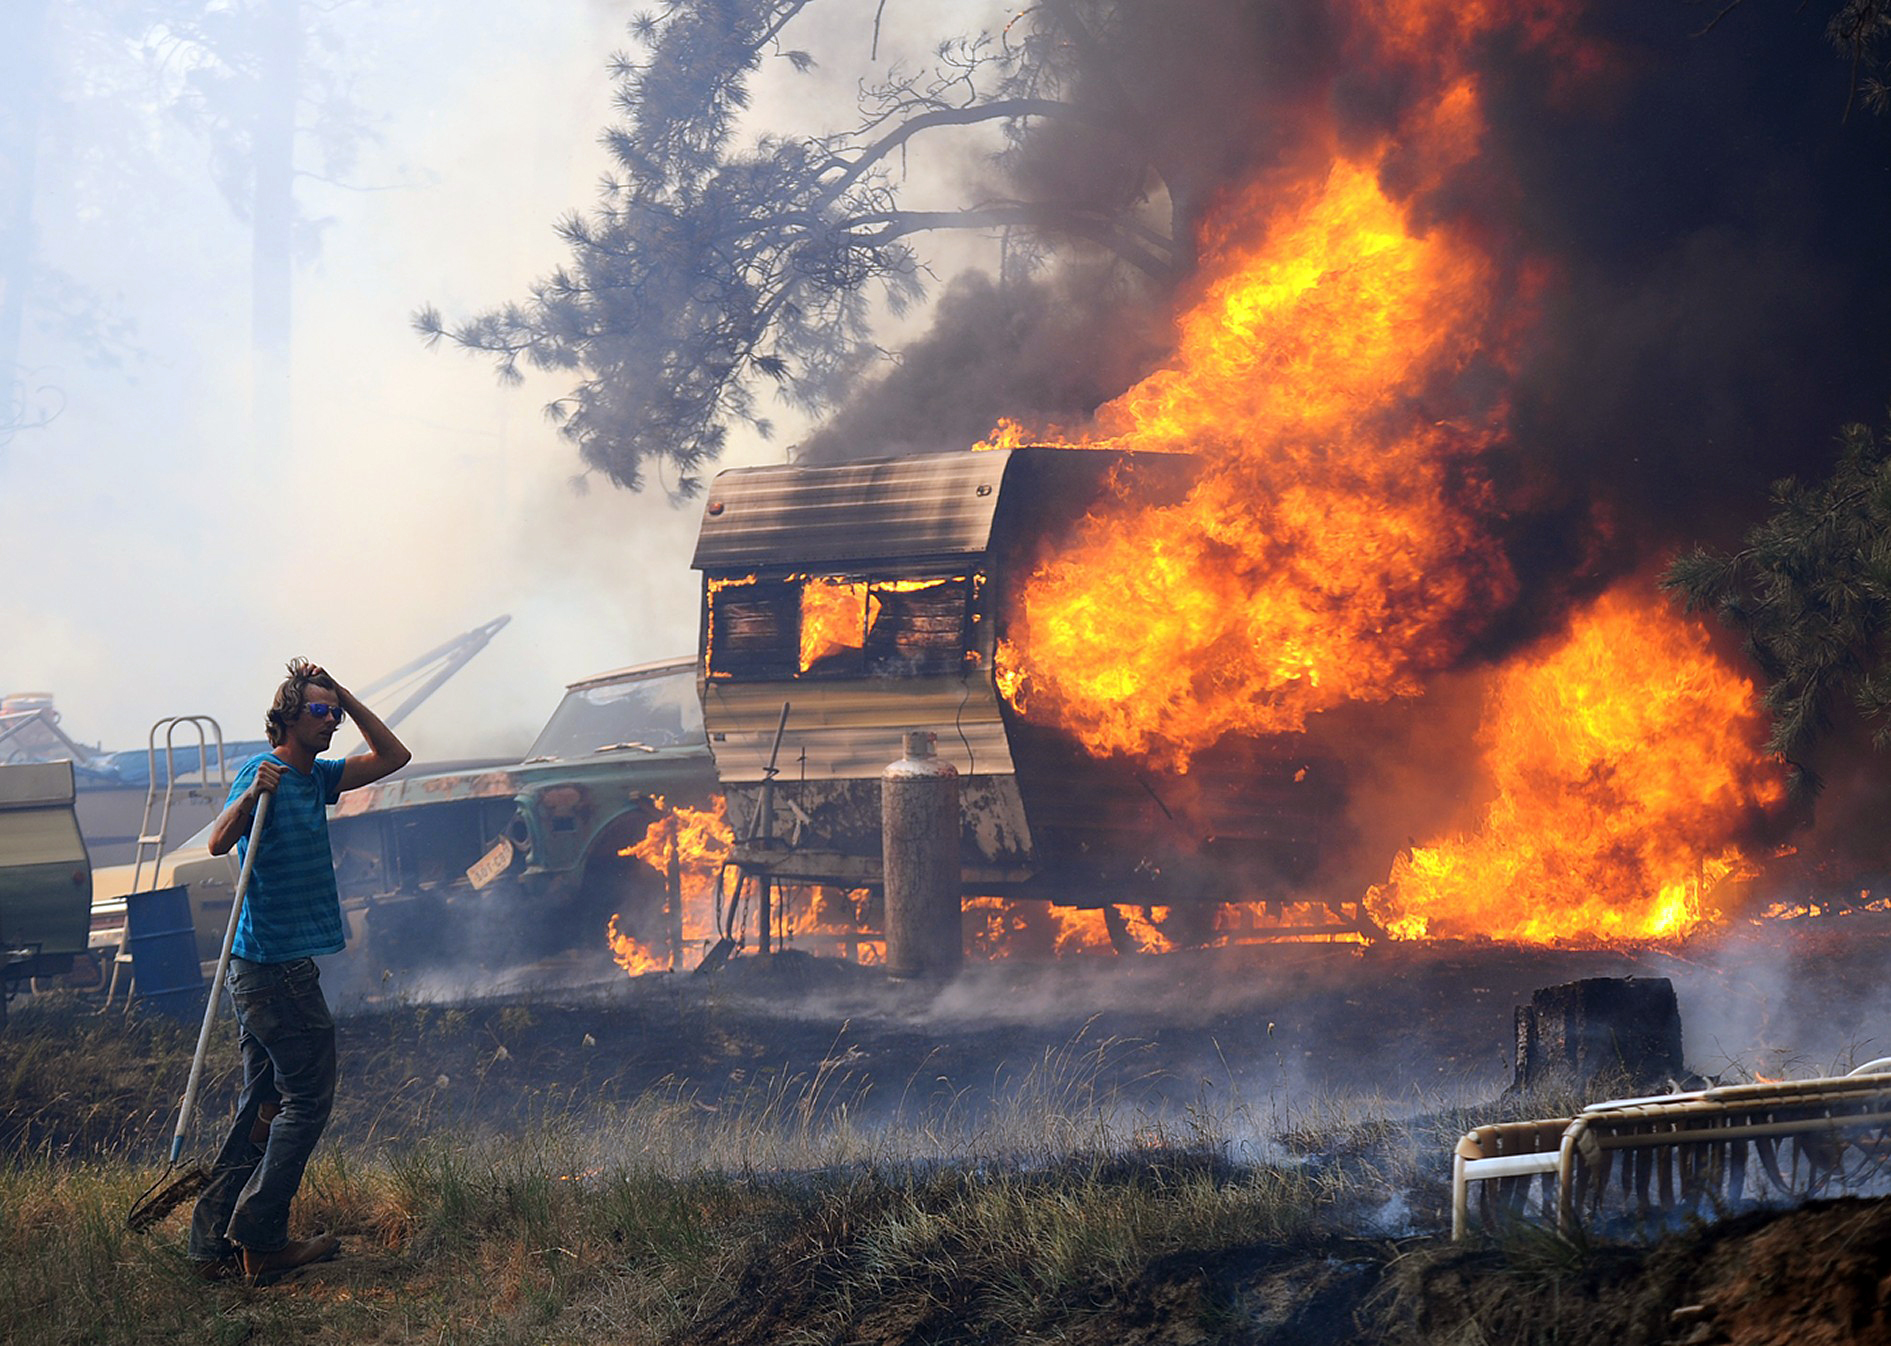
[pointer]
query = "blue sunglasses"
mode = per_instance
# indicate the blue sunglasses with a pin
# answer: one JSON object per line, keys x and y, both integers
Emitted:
{"x": 320, "y": 711}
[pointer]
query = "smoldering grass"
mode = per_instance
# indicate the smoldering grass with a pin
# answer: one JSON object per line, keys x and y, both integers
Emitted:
{"x": 1019, "y": 1200}
{"x": 515, "y": 1235}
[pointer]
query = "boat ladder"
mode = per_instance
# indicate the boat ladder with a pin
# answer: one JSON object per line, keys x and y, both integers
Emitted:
{"x": 157, "y": 804}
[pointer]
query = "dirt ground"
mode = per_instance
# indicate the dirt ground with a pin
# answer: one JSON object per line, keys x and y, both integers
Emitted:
{"x": 1413, "y": 1026}
{"x": 1816, "y": 1276}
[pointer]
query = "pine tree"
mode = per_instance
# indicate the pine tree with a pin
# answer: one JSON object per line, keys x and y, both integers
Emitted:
{"x": 711, "y": 269}
{"x": 1811, "y": 593}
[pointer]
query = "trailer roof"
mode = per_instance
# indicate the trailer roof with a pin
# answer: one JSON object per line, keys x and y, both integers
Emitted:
{"x": 935, "y": 504}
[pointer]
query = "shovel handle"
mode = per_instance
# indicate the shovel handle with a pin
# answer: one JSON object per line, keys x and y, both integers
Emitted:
{"x": 216, "y": 984}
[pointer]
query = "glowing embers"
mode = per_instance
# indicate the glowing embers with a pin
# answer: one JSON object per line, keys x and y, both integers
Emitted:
{"x": 999, "y": 928}
{"x": 845, "y": 924}
{"x": 1291, "y": 922}
{"x": 684, "y": 856}
{"x": 1623, "y": 760}
{"x": 1823, "y": 908}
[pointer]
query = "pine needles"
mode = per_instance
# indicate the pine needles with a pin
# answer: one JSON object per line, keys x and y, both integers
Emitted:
{"x": 1811, "y": 593}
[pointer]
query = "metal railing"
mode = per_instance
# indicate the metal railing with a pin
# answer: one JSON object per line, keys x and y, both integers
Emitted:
{"x": 157, "y": 800}
{"x": 1721, "y": 1147}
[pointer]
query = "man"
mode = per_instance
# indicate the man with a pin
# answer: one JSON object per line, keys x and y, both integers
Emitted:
{"x": 291, "y": 916}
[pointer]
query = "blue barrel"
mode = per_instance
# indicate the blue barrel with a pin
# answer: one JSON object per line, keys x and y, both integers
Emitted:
{"x": 163, "y": 945}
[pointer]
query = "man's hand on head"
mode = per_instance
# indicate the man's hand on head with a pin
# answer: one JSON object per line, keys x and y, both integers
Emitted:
{"x": 342, "y": 694}
{"x": 385, "y": 753}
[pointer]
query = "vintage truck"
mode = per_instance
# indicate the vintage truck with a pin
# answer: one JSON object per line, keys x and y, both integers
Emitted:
{"x": 503, "y": 862}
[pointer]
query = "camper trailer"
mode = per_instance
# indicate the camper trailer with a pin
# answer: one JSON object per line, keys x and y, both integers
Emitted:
{"x": 846, "y": 606}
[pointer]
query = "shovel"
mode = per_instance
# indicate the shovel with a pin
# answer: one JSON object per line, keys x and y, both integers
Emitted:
{"x": 175, "y": 1186}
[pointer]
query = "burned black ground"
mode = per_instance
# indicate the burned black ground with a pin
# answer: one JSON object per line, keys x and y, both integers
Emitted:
{"x": 1344, "y": 1074}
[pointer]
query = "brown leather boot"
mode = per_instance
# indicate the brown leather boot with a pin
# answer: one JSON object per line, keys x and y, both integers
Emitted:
{"x": 217, "y": 1269}
{"x": 270, "y": 1267}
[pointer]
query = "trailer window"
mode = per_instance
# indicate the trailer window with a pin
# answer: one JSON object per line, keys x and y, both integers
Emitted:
{"x": 835, "y": 617}
{"x": 920, "y": 627}
{"x": 754, "y": 627}
{"x": 827, "y": 626}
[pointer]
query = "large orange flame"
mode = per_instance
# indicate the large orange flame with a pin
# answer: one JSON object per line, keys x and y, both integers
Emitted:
{"x": 1339, "y": 378}
{"x": 835, "y": 616}
{"x": 699, "y": 840}
{"x": 1624, "y": 758}
{"x": 1335, "y": 549}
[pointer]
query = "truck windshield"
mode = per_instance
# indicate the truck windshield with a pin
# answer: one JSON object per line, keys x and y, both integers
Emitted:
{"x": 648, "y": 711}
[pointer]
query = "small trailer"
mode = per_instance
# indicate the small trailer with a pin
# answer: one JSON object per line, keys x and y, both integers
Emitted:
{"x": 45, "y": 874}
{"x": 845, "y": 606}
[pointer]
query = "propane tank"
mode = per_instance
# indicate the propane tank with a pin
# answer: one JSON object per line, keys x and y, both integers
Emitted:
{"x": 919, "y": 821}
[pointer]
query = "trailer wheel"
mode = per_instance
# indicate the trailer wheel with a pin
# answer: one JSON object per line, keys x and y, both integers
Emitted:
{"x": 620, "y": 886}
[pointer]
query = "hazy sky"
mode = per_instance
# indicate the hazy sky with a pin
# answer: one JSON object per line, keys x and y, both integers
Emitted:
{"x": 153, "y": 562}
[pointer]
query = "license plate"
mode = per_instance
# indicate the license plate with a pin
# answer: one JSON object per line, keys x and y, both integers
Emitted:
{"x": 492, "y": 864}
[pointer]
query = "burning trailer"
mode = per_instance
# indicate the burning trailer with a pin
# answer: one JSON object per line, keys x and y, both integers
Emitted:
{"x": 845, "y": 607}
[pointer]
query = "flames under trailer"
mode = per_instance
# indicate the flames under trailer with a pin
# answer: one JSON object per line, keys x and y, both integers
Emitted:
{"x": 870, "y": 600}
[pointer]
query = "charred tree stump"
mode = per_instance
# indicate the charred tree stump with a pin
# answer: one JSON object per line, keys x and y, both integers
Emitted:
{"x": 1626, "y": 1028}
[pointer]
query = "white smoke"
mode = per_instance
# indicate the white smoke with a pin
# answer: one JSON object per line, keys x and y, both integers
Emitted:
{"x": 157, "y": 563}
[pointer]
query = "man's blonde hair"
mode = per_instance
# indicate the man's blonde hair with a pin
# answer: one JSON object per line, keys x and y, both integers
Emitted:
{"x": 291, "y": 697}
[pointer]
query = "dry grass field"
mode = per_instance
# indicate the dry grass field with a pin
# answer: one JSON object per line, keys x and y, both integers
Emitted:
{"x": 766, "y": 1162}
{"x": 493, "y": 1183}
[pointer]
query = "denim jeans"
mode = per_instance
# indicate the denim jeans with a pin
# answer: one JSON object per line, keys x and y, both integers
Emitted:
{"x": 287, "y": 1039}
